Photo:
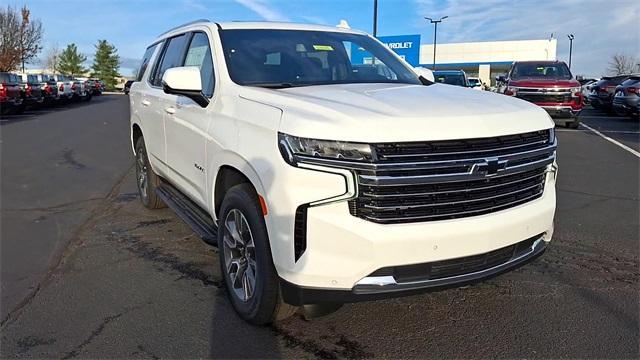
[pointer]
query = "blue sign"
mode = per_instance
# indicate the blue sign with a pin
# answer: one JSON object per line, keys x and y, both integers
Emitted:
{"x": 406, "y": 46}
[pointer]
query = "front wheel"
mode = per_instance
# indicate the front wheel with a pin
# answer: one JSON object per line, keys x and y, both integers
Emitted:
{"x": 146, "y": 178}
{"x": 245, "y": 259}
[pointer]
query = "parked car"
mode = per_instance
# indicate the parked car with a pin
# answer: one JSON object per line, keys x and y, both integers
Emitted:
{"x": 475, "y": 83}
{"x": 81, "y": 91}
{"x": 30, "y": 91}
{"x": 127, "y": 86}
{"x": 321, "y": 184}
{"x": 548, "y": 84}
{"x": 49, "y": 88}
{"x": 10, "y": 99}
{"x": 627, "y": 97}
{"x": 451, "y": 77}
{"x": 585, "y": 89}
{"x": 98, "y": 87}
{"x": 65, "y": 87}
{"x": 602, "y": 92}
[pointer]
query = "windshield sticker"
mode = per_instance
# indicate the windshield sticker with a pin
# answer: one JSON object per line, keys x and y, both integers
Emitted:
{"x": 323, "y": 47}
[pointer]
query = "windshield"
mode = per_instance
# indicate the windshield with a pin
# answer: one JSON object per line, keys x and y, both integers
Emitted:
{"x": 541, "y": 70}
{"x": 284, "y": 58}
{"x": 451, "y": 79}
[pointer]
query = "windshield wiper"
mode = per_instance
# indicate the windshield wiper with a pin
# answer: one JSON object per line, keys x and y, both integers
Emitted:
{"x": 282, "y": 85}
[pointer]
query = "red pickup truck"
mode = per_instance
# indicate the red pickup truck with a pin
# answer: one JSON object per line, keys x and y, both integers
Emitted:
{"x": 548, "y": 84}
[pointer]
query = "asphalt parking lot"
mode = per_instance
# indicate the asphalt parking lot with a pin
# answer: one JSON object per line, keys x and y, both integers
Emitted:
{"x": 88, "y": 272}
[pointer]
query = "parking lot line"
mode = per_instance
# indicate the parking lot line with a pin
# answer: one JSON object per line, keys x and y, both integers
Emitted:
{"x": 615, "y": 142}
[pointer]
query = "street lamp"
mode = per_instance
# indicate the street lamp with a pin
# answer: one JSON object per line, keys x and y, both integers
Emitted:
{"x": 375, "y": 18}
{"x": 571, "y": 37}
{"x": 435, "y": 36}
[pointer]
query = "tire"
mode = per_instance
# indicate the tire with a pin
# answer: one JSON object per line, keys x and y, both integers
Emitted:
{"x": 146, "y": 180}
{"x": 263, "y": 303}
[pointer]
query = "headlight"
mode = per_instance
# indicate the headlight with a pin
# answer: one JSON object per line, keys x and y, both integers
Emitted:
{"x": 552, "y": 135}
{"x": 293, "y": 146}
{"x": 512, "y": 91}
{"x": 576, "y": 91}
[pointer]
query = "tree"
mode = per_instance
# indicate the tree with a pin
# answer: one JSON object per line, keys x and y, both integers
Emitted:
{"x": 70, "y": 61}
{"x": 30, "y": 37}
{"x": 622, "y": 64}
{"x": 106, "y": 63}
{"x": 51, "y": 59}
{"x": 20, "y": 38}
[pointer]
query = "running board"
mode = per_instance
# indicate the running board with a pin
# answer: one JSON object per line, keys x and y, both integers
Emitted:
{"x": 192, "y": 214}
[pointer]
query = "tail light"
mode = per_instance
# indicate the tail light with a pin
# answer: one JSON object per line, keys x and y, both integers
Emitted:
{"x": 74, "y": 87}
{"x": 61, "y": 88}
{"x": 3, "y": 91}
{"x": 633, "y": 90}
{"x": 28, "y": 90}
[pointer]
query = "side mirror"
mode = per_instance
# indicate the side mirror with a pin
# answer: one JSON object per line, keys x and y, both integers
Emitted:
{"x": 501, "y": 78}
{"x": 184, "y": 81}
{"x": 425, "y": 74}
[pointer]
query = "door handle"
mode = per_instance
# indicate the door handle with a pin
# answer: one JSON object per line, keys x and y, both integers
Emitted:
{"x": 146, "y": 102}
{"x": 170, "y": 110}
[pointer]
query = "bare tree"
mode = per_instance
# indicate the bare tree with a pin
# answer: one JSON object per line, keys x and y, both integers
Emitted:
{"x": 20, "y": 38}
{"x": 30, "y": 37}
{"x": 51, "y": 58}
{"x": 622, "y": 64}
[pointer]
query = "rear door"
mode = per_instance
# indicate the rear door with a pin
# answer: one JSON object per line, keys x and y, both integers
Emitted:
{"x": 187, "y": 124}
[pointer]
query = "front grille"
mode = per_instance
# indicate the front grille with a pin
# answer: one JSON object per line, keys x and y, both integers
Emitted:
{"x": 455, "y": 267}
{"x": 545, "y": 98}
{"x": 441, "y": 180}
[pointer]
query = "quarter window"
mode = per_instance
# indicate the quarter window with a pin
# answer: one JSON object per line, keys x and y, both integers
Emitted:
{"x": 145, "y": 61}
{"x": 199, "y": 54}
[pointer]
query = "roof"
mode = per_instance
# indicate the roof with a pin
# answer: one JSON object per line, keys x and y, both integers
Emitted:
{"x": 236, "y": 25}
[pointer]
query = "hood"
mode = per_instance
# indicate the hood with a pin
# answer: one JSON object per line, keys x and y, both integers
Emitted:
{"x": 398, "y": 112}
{"x": 544, "y": 83}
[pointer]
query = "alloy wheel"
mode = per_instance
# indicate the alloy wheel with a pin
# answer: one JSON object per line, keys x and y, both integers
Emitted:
{"x": 239, "y": 255}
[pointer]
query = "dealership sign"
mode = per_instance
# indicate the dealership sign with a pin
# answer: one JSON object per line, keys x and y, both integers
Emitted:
{"x": 406, "y": 46}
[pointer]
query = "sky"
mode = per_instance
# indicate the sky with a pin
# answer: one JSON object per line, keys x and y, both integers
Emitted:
{"x": 601, "y": 27}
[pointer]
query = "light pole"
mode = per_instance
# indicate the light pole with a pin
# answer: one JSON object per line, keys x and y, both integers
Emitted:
{"x": 571, "y": 37}
{"x": 375, "y": 18}
{"x": 435, "y": 36}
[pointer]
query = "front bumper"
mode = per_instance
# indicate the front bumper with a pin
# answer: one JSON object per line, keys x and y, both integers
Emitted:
{"x": 342, "y": 250}
{"x": 380, "y": 287}
{"x": 563, "y": 111}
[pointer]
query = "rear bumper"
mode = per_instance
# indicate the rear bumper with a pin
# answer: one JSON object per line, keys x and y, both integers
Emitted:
{"x": 381, "y": 287}
{"x": 627, "y": 104}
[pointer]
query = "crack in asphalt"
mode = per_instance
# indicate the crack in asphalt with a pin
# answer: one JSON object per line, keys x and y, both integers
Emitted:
{"x": 101, "y": 210}
{"x": 95, "y": 333}
{"x": 343, "y": 347}
{"x": 28, "y": 342}
{"x": 613, "y": 197}
{"x": 68, "y": 158}
{"x": 54, "y": 208}
{"x": 145, "y": 251}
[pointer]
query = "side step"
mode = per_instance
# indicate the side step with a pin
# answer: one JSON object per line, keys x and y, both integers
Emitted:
{"x": 198, "y": 219}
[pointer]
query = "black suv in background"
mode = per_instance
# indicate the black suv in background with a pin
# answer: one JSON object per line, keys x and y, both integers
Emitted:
{"x": 602, "y": 92}
{"x": 627, "y": 97}
{"x": 10, "y": 99}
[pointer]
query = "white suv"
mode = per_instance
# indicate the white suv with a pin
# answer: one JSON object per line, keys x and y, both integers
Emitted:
{"x": 323, "y": 180}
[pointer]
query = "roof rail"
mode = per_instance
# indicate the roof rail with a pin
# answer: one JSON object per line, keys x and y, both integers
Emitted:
{"x": 186, "y": 24}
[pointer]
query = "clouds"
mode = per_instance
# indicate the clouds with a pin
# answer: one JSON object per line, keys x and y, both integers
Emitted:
{"x": 261, "y": 8}
{"x": 601, "y": 28}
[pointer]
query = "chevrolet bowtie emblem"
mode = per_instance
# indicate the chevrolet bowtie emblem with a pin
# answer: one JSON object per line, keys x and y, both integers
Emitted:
{"x": 489, "y": 167}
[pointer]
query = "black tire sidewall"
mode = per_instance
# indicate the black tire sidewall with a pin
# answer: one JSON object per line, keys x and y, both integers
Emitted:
{"x": 260, "y": 308}
{"x": 140, "y": 148}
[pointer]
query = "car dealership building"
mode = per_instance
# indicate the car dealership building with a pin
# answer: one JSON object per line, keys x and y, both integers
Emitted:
{"x": 485, "y": 60}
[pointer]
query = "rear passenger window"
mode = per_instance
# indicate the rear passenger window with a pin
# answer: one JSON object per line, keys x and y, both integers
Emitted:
{"x": 172, "y": 57}
{"x": 199, "y": 54}
{"x": 145, "y": 61}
